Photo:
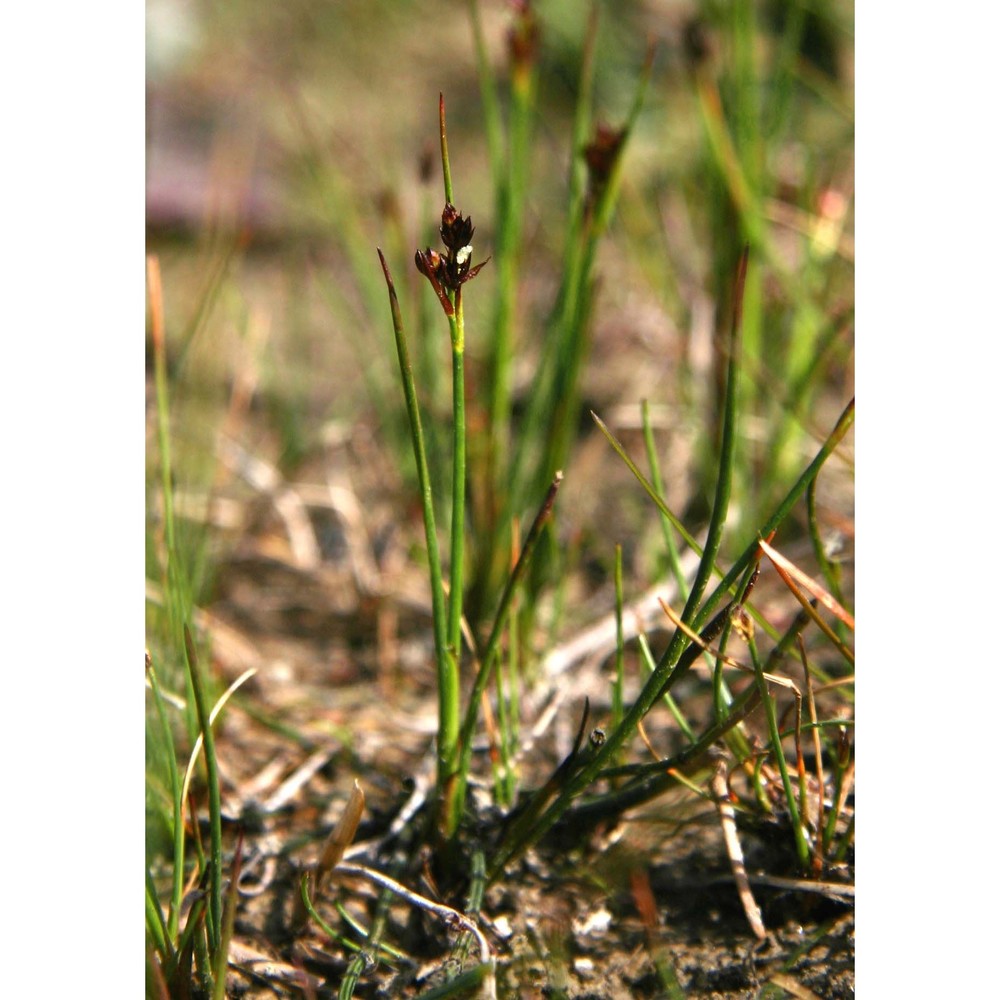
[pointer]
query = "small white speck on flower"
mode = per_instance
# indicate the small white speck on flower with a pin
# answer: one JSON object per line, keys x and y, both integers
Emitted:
{"x": 463, "y": 255}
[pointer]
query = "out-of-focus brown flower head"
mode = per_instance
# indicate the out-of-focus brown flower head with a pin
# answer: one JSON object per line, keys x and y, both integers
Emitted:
{"x": 697, "y": 43}
{"x": 522, "y": 39}
{"x": 601, "y": 154}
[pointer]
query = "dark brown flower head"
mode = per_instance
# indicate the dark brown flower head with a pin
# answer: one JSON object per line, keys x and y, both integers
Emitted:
{"x": 449, "y": 271}
{"x": 697, "y": 41}
{"x": 456, "y": 232}
{"x": 602, "y": 152}
{"x": 430, "y": 262}
{"x": 601, "y": 155}
{"x": 433, "y": 266}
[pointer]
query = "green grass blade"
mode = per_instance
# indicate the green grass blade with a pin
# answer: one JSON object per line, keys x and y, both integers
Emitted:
{"x": 801, "y": 845}
{"x": 727, "y": 451}
{"x": 461, "y": 985}
{"x": 156, "y": 924}
{"x": 783, "y": 509}
{"x": 657, "y": 491}
{"x": 618, "y": 685}
{"x": 214, "y": 796}
{"x": 228, "y": 923}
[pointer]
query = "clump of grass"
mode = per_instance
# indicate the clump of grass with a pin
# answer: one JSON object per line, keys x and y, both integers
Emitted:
{"x": 174, "y": 952}
{"x": 479, "y": 481}
{"x": 515, "y": 472}
{"x": 695, "y": 630}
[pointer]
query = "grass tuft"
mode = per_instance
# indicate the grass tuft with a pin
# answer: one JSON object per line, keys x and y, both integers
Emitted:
{"x": 659, "y": 336}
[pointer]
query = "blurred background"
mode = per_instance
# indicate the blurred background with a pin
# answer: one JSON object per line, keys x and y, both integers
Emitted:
{"x": 285, "y": 142}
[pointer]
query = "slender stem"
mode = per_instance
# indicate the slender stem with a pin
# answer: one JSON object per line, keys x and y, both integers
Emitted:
{"x": 445, "y": 162}
{"x": 673, "y": 559}
{"x": 618, "y": 685}
{"x": 156, "y": 923}
{"x": 228, "y": 924}
{"x": 801, "y": 845}
{"x": 450, "y": 693}
{"x": 781, "y": 512}
{"x": 458, "y": 477}
{"x": 727, "y": 450}
{"x": 447, "y": 668}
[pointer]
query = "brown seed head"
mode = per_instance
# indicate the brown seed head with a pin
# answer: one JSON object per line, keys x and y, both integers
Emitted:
{"x": 449, "y": 271}
{"x": 456, "y": 231}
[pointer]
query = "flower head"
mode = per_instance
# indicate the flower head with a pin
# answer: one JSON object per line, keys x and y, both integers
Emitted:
{"x": 449, "y": 271}
{"x": 456, "y": 231}
{"x": 601, "y": 155}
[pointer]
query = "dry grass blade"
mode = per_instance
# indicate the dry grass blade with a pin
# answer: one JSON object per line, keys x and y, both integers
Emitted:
{"x": 219, "y": 705}
{"x": 451, "y": 917}
{"x": 718, "y": 654}
{"x": 787, "y": 570}
{"x": 262, "y": 966}
{"x": 155, "y": 300}
{"x": 727, "y": 816}
{"x": 789, "y": 985}
{"x": 341, "y": 836}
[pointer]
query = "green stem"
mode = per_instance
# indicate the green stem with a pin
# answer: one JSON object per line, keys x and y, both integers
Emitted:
{"x": 450, "y": 694}
{"x": 445, "y": 162}
{"x": 834, "y": 438}
{"x": 214, "y": 797}
{"x": 673, "y": 558}
{"x": 801, "y": 846}
{"x": 618, "y": 686}
{"x": 727, "y": 451}
{"x": 156, "y": 924}
{"x": 447, "y": 667}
